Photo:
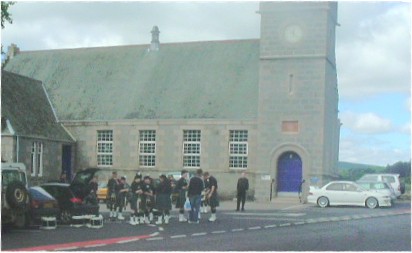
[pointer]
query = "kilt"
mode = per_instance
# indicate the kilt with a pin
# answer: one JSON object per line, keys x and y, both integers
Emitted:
{"x": 163, "y": 202}
{"x": 146, "y": 203}
{"x": 214, "y": 200}
{"x": 181, "y": 199}
{"x": 111, "y": 201}
{"x": 133, "y": 202}
{"x": 120, "y": 199}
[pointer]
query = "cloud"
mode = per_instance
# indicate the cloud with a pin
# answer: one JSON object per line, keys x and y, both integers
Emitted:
{"x": 373, "y": 51}
{"x": 366, "y": 123}
{"x": 371, "y": 151}
{"x": 51, "y": 25}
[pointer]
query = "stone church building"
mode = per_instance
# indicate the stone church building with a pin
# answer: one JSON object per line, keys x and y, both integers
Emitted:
{"x": 267, "y": 106}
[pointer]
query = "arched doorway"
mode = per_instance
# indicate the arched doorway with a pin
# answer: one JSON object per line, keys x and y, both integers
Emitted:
{"x": 289, "y": 174}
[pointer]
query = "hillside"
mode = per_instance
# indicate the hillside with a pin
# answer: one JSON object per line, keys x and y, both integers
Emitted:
{"x": 348, "y": 166}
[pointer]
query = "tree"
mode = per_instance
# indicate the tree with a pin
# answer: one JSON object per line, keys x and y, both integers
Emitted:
{"x": 5, "y": 14}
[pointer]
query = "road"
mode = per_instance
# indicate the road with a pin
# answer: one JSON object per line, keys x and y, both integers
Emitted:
{"x": 303, "y": 229}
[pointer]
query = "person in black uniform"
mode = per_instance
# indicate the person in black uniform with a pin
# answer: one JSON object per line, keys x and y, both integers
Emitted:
{"x": 136, "y": 189}
{"x": 181, "y": 188}
{"x": 242, "y": 187}
{"x": 211, "y": 194}
{"x": 204, "y": 202}
{"x": 163, "y": 200}
{"x": 121, "y": 191}
{"x": 146, "y": 203}
{"x": 111, "y": 193}
{"x": 194, "y": 192}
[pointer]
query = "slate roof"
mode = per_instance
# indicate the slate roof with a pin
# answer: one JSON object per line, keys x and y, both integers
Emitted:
{"x": 24, "y": 103}
{"x": 194, "y": 80}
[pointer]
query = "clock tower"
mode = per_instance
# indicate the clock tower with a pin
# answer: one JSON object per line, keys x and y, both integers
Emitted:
{"x": 298, "y": 96}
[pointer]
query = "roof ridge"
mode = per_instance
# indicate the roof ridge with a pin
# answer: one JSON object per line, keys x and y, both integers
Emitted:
{"x": 140, "y": 45}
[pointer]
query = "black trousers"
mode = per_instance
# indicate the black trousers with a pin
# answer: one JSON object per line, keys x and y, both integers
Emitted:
{"x": 241, "y": 197}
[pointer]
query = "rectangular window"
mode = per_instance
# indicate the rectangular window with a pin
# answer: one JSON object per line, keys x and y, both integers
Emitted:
{"x": 191, "y": 148}
{"x": 238, "y": 149}
{"x": 105, "y": 147}
{"x": 36, "y": 159}
{"x": 147, "y": 148}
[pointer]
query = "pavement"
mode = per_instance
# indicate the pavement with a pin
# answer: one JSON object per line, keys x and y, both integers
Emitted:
{"x": 279, "y": 203}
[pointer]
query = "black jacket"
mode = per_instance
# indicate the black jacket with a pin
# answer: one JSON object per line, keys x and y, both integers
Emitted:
{"x": 242, "y": 184}
{"x": 196, "y": 186}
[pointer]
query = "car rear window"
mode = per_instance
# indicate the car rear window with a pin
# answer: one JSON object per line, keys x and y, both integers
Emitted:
{"x": 8, "y": 176}
{"x": 389, "y": 179}
{"x": 369, "y": 178}
{"x": 335, "y": 187}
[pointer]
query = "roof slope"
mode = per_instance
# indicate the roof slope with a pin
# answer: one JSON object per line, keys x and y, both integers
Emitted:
{"x": 182, "y": 80}
{"x": 24, "y": 103}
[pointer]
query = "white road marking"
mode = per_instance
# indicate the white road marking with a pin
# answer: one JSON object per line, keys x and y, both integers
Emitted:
{"x": 265, "y": 218}
{"x": 334, "y": 218}
{"x": 269, "y": 214}
{"x": 255, "y": 228}
{"x": 67, "y": 248}
{"x": 199, "y": 234}
{"x": 271, "y": 226}
{"x": 284, "y": 225}
{"x": 95, "y": 245}
{"x": 130, "y": 240}
{"x": 161, "y": 229}
{"x": 299, "y": 223}
{"x": 177, "y": 236}
{"x": 219, "y": 232}
{"x": 311, "y": 221}
{"x": 154, "y": 239}
{"x": 237, "y": 229}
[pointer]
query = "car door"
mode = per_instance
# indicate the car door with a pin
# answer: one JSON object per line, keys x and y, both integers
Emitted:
{"x": 352, "y": 195}
{"x": 334, "y": 193}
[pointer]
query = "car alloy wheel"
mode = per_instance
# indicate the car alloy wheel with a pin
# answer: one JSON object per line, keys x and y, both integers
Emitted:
{"x": 371, "y": 203}
{"x": 323, "y": 202}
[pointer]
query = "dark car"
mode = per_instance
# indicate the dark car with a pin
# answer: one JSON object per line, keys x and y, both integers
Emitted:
{"x": 42, "y": 204}
{"x": 71, "y": 197}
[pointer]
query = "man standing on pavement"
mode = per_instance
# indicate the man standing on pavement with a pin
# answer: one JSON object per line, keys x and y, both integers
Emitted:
{"x": 111, "y": 193}
{"x": 242, "y": 187}
{"x": 181, "y": 188}
{"x": 211, "y": 194}
{"x": 121, "y": 191}
{"x": 194, "y": 192}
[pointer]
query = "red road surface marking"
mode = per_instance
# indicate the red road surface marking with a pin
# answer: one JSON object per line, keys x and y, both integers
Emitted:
{"x": 74, "y": 245}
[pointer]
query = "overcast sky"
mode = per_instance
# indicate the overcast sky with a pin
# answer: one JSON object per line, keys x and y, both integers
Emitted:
{"x": 373, "y": 54}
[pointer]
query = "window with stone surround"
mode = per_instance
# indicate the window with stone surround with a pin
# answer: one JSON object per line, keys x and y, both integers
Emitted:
{"x": 191, "y": 148}
{"x": 147, "y": 148}
{"x": 36, "y": 159}
{"x": 238, "y": 149}
{"x": 105, "y": 147}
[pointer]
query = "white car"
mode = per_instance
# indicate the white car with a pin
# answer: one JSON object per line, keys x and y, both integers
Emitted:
{"x": 382, "y": 187}
{"x": 347, "y": 193}
{"x": 392, "y": 179}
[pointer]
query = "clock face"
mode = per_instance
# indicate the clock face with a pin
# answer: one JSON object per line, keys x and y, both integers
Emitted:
{"x": 293, "y": 33}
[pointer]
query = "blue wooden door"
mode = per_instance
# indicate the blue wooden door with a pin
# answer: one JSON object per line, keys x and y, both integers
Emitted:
{"x": 67, "y": 161}
{"x": 289, "y": 172}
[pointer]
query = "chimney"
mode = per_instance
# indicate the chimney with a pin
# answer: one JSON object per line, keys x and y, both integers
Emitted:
{"x": 13, "y": 50}
{"x": 155, "y": 44}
